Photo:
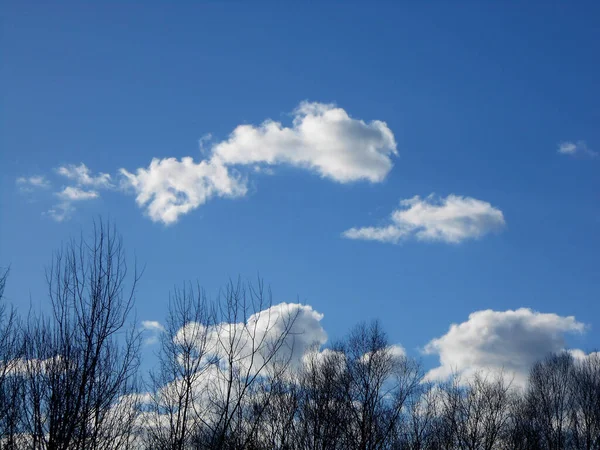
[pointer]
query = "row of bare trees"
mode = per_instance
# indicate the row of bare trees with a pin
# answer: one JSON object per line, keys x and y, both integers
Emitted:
{"x": 232, "y": 374}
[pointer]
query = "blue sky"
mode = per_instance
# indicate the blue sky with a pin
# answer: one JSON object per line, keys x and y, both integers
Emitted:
{"x": 471, "y": 102}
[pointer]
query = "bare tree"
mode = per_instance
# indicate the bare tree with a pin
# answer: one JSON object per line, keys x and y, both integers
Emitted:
{"x": 83, "y": 359}
{"x": 175, "y": 407}
{"x": 585, "y": 411}
{"x": 380, "y": 382}
{"x": 322, "y": 416}
{"x": 420, "y": 431}
{"x": 221, "y": 366}
{"x": 11, "y": 353}
{"x": 253, "y": 348}
{"x": 550, "y": 396}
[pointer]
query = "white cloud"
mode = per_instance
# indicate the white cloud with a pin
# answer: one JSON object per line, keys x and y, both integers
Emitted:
{"x": 264, "y": 327}
{"x": 509, "y": 341}
{"x": 452, "y": 219}
{"x": 152, "y": 325}
{"x": 75, "y": 194}
{"x": 169, "y": 188}
{"x": 82, "y": 176}
{"x": 27, "y": 184}
{"x": 581, "y": 356}
{"x": 154, "y": 329}
{"x": 323, "y": 138}
{"x": 84, "y": 186}
{"x": 69, "y": 195}
{"x": 578, "y": 148}
{"x": 257, "y": 334}
{"x": 60, "y": 212}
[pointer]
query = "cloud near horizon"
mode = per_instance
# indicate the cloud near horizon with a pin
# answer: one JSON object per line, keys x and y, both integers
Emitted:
{"x": 492, "y": 342}
{"x": 500, "y": 341}
{"x": 453, "y": 219}
{"x": 263, "y": 326}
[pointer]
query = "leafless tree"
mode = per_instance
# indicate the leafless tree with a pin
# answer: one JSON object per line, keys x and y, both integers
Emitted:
{"x": 11, "y": 353}
{"x": 550, "y": 396}
{"x": 380, "y": 382}
{"x": 83, "y": 359}
{"x": 253, "y": 348}
{"x": 229, "y": 378}
{"x": 322, "y": 414}
{"x": 420, "y": 430}
{"x": 585, "y": 410}
{"x": 175, "y": 410}
{"x": 221, "y": 366}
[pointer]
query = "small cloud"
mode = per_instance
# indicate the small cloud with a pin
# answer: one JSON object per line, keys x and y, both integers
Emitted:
{"x": 63, "y": 210}
{"x": 81, "y": 175}
{"x": 28, "y": 184}
{"x": 85, "y": 188}
{"x": 263, "y": 170}
{"x": 453, "y": 219}
{"x": 152, "y": 325}
{"x": 154, "y": 330}
{"x": 203, "y": 141}
{"x": 578, "y": 148}
{"x": 75, "y": 194}
{"x": 60, "y": 212}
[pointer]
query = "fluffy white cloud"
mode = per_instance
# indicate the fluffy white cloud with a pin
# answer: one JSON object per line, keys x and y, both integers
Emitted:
{"x": 581, "y": 356}
{"x": 27, "y": 184}
{"x": 509, "y": 341}
{"x": 452, "y": 219}
{"x": 578, "y": 148}
{"x": 323, "y": 138}
{"x": 169, "y": 188}
{"x": 82, "y": 176}
{"x": 246, "y": 344}
{"x": 262, "y": 329}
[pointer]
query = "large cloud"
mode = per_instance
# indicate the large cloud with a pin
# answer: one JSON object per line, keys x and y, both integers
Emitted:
{"x": 323, "y": 138}
{"x": 299, "y": 326}
{"x": 509, "y": 341}
{"x": 452, "y": 219}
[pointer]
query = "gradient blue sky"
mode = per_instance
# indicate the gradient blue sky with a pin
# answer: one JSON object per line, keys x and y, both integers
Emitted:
{"x": 478, "y": 95}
